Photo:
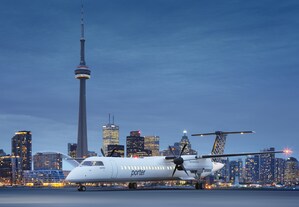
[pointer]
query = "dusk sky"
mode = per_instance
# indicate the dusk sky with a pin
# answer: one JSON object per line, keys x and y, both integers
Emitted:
{"x": 160, "y": 66}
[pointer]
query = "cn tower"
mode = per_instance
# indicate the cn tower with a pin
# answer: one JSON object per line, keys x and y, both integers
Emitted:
{"x": 82, "y": 73}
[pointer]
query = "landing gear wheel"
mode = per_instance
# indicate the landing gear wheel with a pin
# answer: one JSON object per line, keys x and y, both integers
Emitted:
{"x": 81, "y": 188}
{"x": 200, "y": 185}
{"x": 132, "y": 185}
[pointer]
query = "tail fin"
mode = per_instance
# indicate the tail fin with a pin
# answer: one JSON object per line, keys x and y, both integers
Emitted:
{"x": 219, "y": 143}
{"x": 218, "y": 146}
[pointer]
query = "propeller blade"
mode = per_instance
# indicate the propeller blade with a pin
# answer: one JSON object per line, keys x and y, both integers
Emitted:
{"x": 176, "y": 166}
{"x": 112, "y": 152}
{"x": 184, "y": 169}
{"x": 170, "y": 157}
{"x": 170, "y": 149}
{"x": 183, "y": 149}
{"x": 102, "y": 151}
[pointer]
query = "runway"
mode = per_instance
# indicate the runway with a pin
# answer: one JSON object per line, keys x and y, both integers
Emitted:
{"x": 26, "y": 197}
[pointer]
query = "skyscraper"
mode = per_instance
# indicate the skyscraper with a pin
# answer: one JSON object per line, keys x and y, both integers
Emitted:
{"x": 178, "y": 146}
{"x": 110, "y": 135}
{"x": 21, "y": 148}
{"x": 252, "y": 169}
{"x": 291, "y": 170}
{"x": 152, "y": 143}
{"x": 235, "y": 170}
{"x": 223, "y": 173}
{"x": 279, "y": 170}
{"x": 267, "y": 163}
{"x": 185, "y": 140}
{"x": 82, "y": 73}
{"x": 135, "y": 145}
{"x": 5, "y": 169}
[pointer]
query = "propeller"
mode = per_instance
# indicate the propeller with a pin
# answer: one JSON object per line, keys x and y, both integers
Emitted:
{"x": 109, "y": 155}
{"x": 102, "y": 151}
{"x": 178, "y": 160}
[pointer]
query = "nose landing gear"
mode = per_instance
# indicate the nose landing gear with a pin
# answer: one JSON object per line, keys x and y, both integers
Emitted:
{"x": 81, "y": 187}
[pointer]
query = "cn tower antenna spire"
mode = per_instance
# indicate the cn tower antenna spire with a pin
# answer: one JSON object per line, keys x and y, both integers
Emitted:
{"x": 82, "y": 39}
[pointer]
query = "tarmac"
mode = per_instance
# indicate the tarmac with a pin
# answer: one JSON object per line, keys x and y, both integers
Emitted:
{"x": 146, "y": 197}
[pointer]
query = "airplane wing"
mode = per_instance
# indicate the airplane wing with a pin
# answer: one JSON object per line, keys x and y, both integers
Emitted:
{"x": 240, "y": 154}
{"x": 223, "y": 133}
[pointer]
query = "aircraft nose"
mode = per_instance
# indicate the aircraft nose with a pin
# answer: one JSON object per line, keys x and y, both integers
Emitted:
{"x": 69, "y": 177}
{"x": 72, "y": 176}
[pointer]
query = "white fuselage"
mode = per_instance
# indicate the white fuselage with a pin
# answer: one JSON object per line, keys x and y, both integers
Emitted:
{"x": 115, "y": 169}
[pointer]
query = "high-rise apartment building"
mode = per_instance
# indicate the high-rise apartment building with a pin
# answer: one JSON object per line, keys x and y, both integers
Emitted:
{"x": 235, "y": 170}
{"x": 279, "y": 170}
{"x": 291, "y": 171}
{"x": 110, "y": 135}
{"x": 21, "y": 146}
{"x": 267, "y": 165}
{"x": 5, "y": 169}
{"x": 21, "y": 149}
{"x": 252, "y": 169}
{"x": 47, "y": 161}
{"x": 223, "y": 173}
{"x": 152, "y": 143}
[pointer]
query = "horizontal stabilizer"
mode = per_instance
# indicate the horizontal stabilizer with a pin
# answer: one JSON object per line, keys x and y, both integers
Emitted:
{"x": 240, "y": 154}
{"x": 223, "y": 133}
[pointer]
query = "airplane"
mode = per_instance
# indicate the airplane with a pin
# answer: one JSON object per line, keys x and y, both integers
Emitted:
{"x": 157, "y": 168}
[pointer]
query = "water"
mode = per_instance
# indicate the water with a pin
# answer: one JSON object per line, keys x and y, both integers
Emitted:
{"x": 108, "y": 197}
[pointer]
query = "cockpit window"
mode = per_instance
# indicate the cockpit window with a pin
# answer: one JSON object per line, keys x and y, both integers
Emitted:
{"x": 98, "y": 163}
{"x": 92, "y": 163}
{"x": 87, "y": 163}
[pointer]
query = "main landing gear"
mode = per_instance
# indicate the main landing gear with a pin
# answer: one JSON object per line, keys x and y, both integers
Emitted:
{"x": 200, "y": 186}
{"x": 81, "y": 187}
{"x": 132, "y": 185}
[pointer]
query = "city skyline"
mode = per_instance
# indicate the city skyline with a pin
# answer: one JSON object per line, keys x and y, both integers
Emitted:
{"x": 159, "y": 66}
